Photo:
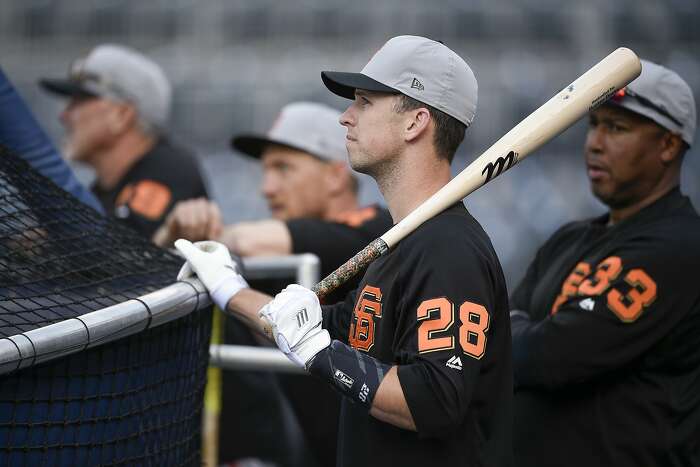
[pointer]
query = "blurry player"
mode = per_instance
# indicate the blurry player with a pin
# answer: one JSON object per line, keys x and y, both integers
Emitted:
{"x": 115, "y": 121}
{"x": 421, "y": 351}
{"x": 312, "y": 195}
{"x": 606, "y": 336}
{"x": 310, "y": 190}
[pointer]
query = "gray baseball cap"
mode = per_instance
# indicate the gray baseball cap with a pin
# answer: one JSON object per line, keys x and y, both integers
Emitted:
{"x": 304, "y": 126}
{"x": 120, "y": 73}
{"x": 662, "y": 96}
{"x": 423, "y": 69}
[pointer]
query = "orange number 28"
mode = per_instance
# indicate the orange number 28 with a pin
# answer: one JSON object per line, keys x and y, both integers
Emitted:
{"x": 437, "y": 315}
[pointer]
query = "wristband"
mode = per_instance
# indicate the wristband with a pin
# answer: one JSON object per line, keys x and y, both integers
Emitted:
{"x": 354, "y": 374}
{"x": 226, "y": 288}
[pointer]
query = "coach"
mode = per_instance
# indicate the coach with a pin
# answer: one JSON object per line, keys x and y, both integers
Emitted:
{"x": 606, "y": 322}
{"x": 115, "y": 120}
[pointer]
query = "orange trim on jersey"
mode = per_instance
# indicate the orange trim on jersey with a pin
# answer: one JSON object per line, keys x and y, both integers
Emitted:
{"x": 356, "y": 217}
{"x": 147, "y": 198}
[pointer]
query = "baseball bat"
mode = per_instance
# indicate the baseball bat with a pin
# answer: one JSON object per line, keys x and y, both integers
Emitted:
{"x": 588, "y": 91}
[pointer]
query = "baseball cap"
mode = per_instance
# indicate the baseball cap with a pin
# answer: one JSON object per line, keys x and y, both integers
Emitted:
{"x": 120, "y": 73}
{"x": 304, "y": 126}
{"x": 662, "y": 96}
{"x": 421, "y": 68}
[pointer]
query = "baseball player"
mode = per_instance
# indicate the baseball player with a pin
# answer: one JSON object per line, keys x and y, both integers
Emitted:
{"x": 421, "y": 350}
{"x": 606, "y": 336}
{"x": 306, "y": 142}
{"x": 312, "y": 195}
{"x": 118, "y": 107}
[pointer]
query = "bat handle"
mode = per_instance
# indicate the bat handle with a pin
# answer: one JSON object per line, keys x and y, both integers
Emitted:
{"x": 341, "y": 275}
{"x": 351, "y": 267}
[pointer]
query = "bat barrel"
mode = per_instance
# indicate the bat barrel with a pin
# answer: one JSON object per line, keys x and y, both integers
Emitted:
{"x": 590, "y": 90}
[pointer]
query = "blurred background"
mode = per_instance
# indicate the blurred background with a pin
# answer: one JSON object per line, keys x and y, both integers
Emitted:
{"x": 233, "y": 64}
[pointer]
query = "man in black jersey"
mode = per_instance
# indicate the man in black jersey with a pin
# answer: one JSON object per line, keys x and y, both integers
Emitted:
{"x": 421, "y": 350}
{"x": 606, "y": 322}
{"x": 312, "y": 195}
{"x": 118, "y": 107}
{"x": 310, "y": 190}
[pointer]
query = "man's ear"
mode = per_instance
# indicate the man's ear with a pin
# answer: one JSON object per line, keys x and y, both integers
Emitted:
{"x": 122, "y": 116}
{"x": 671, "y": 148}
{"x": 417, "y": 123}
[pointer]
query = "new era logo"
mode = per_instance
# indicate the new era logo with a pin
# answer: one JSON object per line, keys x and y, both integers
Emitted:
{"x": 587, "y": 304}
{"x": 455, "y": 363}
{"x": 415, "y": 84}
{"x": 302, "y": 317}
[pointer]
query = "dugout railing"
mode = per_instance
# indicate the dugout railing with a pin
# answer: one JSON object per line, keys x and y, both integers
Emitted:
{"x": 151, "y": 310}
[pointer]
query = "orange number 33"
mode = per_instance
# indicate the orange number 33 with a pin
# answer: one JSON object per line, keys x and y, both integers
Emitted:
{"x": 437, "y": 315}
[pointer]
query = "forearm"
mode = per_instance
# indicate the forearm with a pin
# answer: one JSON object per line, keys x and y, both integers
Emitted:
{"x": 268, "y": 237}
{"x": 390, "y": 404}
{"x": 246, "y": 304}
{"x": 365, "y": 381}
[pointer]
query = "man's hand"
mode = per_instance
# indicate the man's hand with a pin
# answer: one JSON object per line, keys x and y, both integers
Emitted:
{"x": 193, "y": 219}
{"x": 295, "y": 317}
{"x": 212, "y": 264}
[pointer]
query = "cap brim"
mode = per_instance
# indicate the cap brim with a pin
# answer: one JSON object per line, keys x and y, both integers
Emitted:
{"x": 65, "y": 87}
{"x": 249, "y": 145}
{"x": 344, "y": 84}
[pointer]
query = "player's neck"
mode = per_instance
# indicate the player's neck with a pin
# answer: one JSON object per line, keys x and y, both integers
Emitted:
{"x": 621, "y": 213}
{"x": 413, "y": 182}
{"x": 116, "y": 160}
{"x": 340, "y": 204}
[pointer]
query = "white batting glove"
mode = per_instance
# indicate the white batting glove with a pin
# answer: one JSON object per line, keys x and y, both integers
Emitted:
{"x": 212, "y": 263}
{"x": 295, "y": 316}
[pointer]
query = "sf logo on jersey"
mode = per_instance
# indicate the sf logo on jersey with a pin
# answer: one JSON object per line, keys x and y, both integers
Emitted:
{"x": 369, "y": 305}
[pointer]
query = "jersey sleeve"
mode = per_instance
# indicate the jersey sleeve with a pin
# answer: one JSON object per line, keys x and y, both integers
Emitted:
{"x": 20, "y": 132}
{"x": 332, "y": 241}
{"x": 446, "y": 328}
{"x": 620, "y": 310}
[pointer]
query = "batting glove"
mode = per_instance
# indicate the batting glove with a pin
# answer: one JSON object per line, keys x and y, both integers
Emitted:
{"x": 295, "y": 317}
{"x": 212, "y": 263}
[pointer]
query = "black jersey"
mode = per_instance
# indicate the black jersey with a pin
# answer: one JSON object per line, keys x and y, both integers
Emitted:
{"x": 437, "y": 307}
{"x": 336, "y": 241}
{"x": 607, "y": 371}
{"x": 149, "y": 190}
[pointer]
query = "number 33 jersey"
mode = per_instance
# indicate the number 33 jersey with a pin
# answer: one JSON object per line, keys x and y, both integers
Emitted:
{"x": 437, "y": 307}
{"x": 607, "y": 367}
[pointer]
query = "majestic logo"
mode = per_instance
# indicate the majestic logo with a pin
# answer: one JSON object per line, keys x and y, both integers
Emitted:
{"x": 494, "y": 169}
{"x": 587, "y": 304}
{"x": 302, "y": 317}
{"x": 415, "y": 84}
{"x": 455, "y": 363}
{"x": 343, "y": 379}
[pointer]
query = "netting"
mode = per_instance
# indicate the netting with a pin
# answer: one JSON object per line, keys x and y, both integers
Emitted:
{"x": 135, "y": 401}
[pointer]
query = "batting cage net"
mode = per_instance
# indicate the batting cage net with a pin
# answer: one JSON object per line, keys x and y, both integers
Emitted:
{"x": 134, "y": 401}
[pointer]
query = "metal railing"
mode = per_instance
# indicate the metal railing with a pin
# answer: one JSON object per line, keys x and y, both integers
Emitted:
{"x": 99, "y": 327}
{"x": 306, "y": 268}
{"x": 151, "y": 310}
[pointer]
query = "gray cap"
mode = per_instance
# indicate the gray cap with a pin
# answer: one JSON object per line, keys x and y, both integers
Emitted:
{"x": 120, "y": 73}
{"x": 304, "y": 126}
{"x": 662, "y": 96}
{"x": 423, "y": 69}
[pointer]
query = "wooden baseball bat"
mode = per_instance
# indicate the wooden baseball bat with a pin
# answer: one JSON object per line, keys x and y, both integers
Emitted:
{"x": 589, "y": 90}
